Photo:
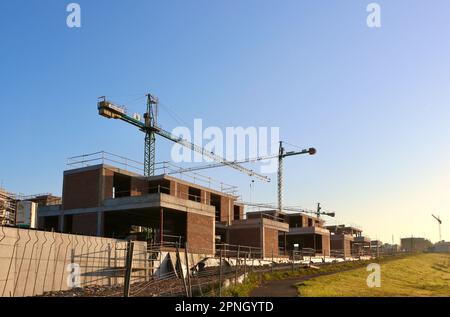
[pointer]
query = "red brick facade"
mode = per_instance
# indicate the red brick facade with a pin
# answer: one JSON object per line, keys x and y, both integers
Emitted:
{"x": 245, "y": 236}
{"x": 85, "y": 224}
{"x": 200, "y": 233}
{"x": 226, "y": 209}
{"x": 108, "y": 183}
{"x": 270, "y": 242}
{"x": 81, "y": 190}
{"x": 139, "y": 187}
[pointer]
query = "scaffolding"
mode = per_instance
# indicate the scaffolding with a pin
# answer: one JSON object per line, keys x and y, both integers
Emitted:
{"x": 8, "y": 205}
{"x": 43, "y": 199}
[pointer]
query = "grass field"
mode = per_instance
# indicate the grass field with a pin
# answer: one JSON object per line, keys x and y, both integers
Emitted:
{"x": 418, "y": 275}
{"x": 254, "y": 280}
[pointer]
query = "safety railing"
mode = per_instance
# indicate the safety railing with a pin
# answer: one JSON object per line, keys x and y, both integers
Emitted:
{"x": 230, "y": 250}
{"x": 165, "y": 167}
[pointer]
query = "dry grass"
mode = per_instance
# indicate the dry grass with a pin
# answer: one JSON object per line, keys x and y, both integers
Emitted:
{"x": 420, "y": 275}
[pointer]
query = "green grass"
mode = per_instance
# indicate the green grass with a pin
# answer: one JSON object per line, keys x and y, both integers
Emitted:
{"x": 243, "y": 290}
{"x": 417, "y": 275}
{"x": 254, "y": 279}
{"x": 328, "y": 268}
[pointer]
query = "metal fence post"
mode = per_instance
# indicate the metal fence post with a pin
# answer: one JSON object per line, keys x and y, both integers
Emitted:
{"x": 115, "y": 264}
{"x": 188, "y": 271}
{"x": 273, "y": 263}
{"x": 109, "y": 265}
{"x": 249, "y": 255}
{"x": 236, "y": 265}
{"x": 181, "y": 271}
{"x": 129, "y": 267}
{"x": 220, "y": 273}
{"x": 293, "y": 260}
{"x": 253, "y": 264}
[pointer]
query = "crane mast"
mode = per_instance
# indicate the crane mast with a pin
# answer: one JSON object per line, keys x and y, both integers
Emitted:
{"x": 280, "y": 177}
{"x": 438, "y": 219}
{"x": 150, "y": 118}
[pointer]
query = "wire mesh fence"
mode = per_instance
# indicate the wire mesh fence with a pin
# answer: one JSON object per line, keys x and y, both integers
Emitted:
{"x": 38, "y": 263}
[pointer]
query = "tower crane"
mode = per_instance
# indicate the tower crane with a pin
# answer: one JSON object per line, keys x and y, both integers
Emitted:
{"x": 281, "y": 155}
{"x": 440, "y": 222}
{"x": 151, "y": 129}
{"x": 317, "y": 212}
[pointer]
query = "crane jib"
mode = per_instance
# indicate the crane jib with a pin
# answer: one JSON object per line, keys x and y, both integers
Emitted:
{"x": 111, "y": 111}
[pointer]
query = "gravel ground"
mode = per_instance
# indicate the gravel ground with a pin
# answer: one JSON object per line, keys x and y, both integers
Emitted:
{"x": 164, "y": 287}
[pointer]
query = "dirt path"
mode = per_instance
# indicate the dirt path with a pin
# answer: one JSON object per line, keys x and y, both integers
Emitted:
{"x": 286, "y": 287}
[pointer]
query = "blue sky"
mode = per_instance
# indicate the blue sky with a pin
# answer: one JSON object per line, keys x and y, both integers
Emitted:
{"x": 374, "y": 102}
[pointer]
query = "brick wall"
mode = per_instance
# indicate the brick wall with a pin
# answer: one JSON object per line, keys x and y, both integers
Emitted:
{"x": 348, "y": 248}
{"x": 81, "y": 190}
{"x": 226, "y": 209}
{"x": 173, "y": 188}
{"x": 182, "y": 191}
{"x": 200, "y": 233}
{"x": 337, "y": 244}
{"x": 85, "y": 224}
{"x": 325, "y": 245}
{"x": 305, "y": 221}
{"x": 205, "y": 197}
{"x": 245, "y": 236}
{"x": 108, "y": 183}
{"x": 270, "y": 242}
{"x": 138, "y": 186}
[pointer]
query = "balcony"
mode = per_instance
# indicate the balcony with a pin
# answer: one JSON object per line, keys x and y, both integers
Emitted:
{"x": 308, "y": 230}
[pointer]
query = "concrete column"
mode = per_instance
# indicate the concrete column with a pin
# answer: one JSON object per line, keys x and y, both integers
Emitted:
{"x": 214, "y": 235}
{"x": 100, "y": 224}
{"x": 161, "y": 226}
{"x": 263, "y": 238}
{"x": 61, "y": 223}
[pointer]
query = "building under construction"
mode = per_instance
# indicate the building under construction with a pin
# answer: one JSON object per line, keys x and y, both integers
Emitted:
{"x": 414, "y": 244}
{"x": 348, "y": 240}
{"x": 304, "y": 232}
{"x": 108, "y": 201}
{"x": 8, "y": 203}
{"x": 103, "y": 200}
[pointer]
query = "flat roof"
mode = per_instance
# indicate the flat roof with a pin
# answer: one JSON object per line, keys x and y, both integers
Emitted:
{"x": 343, "y": 227}
{"x": 284, "y": 213}
{"x": 150, "y": 178}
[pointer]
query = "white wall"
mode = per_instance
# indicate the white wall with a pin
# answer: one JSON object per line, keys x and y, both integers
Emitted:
{"x": 33, "y": 262}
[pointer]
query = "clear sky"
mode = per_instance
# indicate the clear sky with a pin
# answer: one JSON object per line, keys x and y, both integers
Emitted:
{"x": 374, "y": 102}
